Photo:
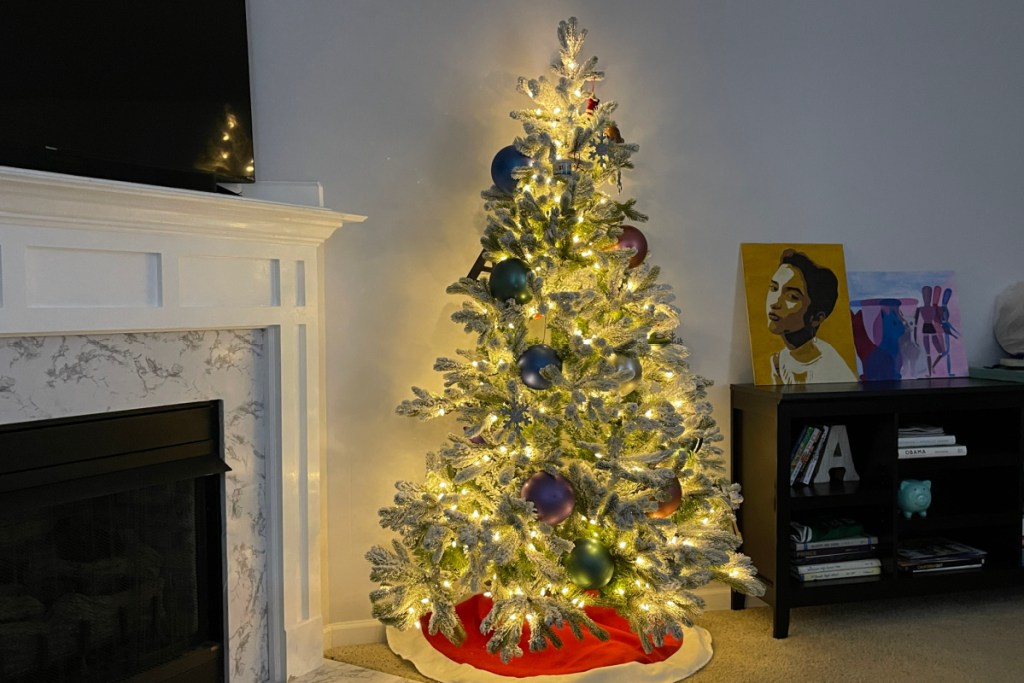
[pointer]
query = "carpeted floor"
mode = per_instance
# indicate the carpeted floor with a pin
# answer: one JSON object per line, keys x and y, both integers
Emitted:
{"x": 967, "y": 637}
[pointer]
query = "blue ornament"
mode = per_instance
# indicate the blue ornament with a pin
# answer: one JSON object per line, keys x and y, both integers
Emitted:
{"x": 590, "y": 565}
{"x": 510, "y": 280}
{"x": 533, "y": 360}
{"x": 507, "y": 159}
{"x": 552, "y": 497}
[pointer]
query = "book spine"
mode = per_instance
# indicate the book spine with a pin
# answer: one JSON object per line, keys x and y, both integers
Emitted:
{"x": 797, "y": 466}
{"x": 835, "y": 566}
{"x": 938, "y": 564}
{"x": 836, "y": 543}
{"x": 812, "y": 464}
{"x": 831, "y": 555}
{"x": 936, "y": 440}
{"x": 840, "y": 574}
{"x": 945, "y": 568}
{"x": 798, "y": 449}
{"x": 931, "y": 451}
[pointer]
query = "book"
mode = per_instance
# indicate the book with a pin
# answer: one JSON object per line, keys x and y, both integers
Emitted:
{"x": 812, "y": 464}
{"x": 833, "y": 554}
{"x": 920, "y": 430}
{"x": 798, "y": 449}
{"x": 919, "y": 551}
{"x": 797, "y": 464}
{"x": 834, "y": 566}
{"x": 931, "y": 451}
{"x": 926, "y": 440}
{"x": 943, "y": 565}
{"x": 824, "y": 528}
{"x": 852, "y": 541}
{"x": 935, "y": 570}
{"x": 839, "y": 574}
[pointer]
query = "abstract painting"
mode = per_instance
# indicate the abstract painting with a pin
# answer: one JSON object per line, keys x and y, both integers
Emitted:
{"x": 796, "y": 310}
{"x": 906, "y": 325}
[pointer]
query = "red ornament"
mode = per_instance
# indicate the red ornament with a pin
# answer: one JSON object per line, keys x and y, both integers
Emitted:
{"x": 592, "y": 103}
{"x": 675, "y": 497}
{"x": 631, "y": 238}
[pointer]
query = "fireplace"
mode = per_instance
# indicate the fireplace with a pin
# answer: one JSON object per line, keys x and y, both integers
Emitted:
{"x": 112, "y": 547}
{"x": 116, "y": 296}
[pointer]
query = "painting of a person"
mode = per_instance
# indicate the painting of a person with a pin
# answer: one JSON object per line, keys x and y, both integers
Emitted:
{"x": 801, "y": 295}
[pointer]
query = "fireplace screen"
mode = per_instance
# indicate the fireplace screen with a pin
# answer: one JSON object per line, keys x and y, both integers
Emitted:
{"x": 112, "y": 576}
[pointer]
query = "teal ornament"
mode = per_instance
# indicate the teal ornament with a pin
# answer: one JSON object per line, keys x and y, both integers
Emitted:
{"x": 505, "y": 161}
{"x": 590, "y": 565}
{"x": 510, "y": 279}
{"x": 631, "y": 365}
{"x": 535, "y": 359}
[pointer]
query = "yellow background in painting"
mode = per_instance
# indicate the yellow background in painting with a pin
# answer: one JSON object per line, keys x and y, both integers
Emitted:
{"x": 760, "y": 261}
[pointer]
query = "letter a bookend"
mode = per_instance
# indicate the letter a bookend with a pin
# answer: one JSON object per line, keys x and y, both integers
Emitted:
{"x": 836, "y": 456}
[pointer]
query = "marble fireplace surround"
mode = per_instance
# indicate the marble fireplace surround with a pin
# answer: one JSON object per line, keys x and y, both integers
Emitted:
{"x": 188, "y": 296}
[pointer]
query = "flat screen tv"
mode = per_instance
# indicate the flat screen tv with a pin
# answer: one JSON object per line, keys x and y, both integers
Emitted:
{"x": 149, "y": 92}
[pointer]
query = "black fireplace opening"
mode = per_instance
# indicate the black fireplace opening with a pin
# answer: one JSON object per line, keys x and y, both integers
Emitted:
{"x": 112, "y": 547}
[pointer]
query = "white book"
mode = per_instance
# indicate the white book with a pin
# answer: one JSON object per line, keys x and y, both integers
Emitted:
{"x": 839, "y": 574}
{"x": 931, "y": 451}
{"x": 936, "y": 440}
{"x": 842, "y": 564}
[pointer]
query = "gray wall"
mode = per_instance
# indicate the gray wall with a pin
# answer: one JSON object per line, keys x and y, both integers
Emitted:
{"x": 892, "y": 127}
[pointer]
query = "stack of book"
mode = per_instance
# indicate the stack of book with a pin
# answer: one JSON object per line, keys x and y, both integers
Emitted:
{"x": 927, "y": 441}
{"x": 829, "y": 548}
{"x": 937, "y": 554}
{"x": 803, "y": 461}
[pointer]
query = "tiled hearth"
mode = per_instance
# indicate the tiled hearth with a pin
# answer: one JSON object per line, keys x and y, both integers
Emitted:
{"x": 116, "y": 296}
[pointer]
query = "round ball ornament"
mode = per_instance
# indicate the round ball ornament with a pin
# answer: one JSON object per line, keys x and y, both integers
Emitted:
{"x": 674, "y": 491}
{"x": 552, "y": 497}
{"x": 632, "y": 365}
{"x": 631, "y": 238}
{"x": 510, "y": 280}
{"x": 590, "y": 565}
{"x": 533, "y": 360}
{"x": 507, "y": 159}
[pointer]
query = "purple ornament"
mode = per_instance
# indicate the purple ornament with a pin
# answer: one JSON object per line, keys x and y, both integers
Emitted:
{"x": 552, "y": 497}
{"x": 472, "y": 439}
{"x": 533, "y": 360}
{"x": 631, "y": 238}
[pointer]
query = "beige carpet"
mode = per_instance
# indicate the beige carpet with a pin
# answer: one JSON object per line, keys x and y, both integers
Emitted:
{"x": 968, "y": 637}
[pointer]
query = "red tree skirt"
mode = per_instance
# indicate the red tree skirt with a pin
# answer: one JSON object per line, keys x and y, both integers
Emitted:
{"x": 588, "y": 660}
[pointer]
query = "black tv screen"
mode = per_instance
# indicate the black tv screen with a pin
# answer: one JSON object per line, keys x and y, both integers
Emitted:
{"x": 151, "y": 92}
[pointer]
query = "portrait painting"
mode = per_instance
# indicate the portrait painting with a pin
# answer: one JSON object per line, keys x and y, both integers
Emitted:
{"x": 906, "y": 325}
{"x": 798, "y": 313}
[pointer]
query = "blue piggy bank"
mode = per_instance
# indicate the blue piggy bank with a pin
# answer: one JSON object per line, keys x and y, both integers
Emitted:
{"x": 914, "y": 496}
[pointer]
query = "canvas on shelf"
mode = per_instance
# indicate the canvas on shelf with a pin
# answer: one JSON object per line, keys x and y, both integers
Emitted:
{"x": 797, "y": 305}
{"x": 906, "y": 325}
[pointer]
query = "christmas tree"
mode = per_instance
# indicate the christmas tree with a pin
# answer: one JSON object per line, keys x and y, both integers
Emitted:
{"x": 586, "y": 473}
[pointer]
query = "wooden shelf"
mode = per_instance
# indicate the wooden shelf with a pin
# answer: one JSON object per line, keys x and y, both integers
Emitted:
{"x": 978, "y": 499}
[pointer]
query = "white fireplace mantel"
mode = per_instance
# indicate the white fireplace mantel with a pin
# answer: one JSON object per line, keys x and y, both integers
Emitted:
{"x": 82, "y": 256}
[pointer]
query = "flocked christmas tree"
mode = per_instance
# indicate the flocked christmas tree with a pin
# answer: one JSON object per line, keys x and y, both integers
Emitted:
{"x": 586, "y": 473}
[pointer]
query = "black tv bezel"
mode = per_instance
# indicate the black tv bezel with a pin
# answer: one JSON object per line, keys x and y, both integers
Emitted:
{"x": 40, "y": 155}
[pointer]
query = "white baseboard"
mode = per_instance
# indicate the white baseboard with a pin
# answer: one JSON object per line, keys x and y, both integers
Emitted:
{"x": 363, "y": 631}
{"x": 358, "y": 632}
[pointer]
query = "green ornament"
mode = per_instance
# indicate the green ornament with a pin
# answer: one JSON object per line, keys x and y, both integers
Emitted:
{"x": 590, "y": 565}
{"x": 510, "y": 280}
